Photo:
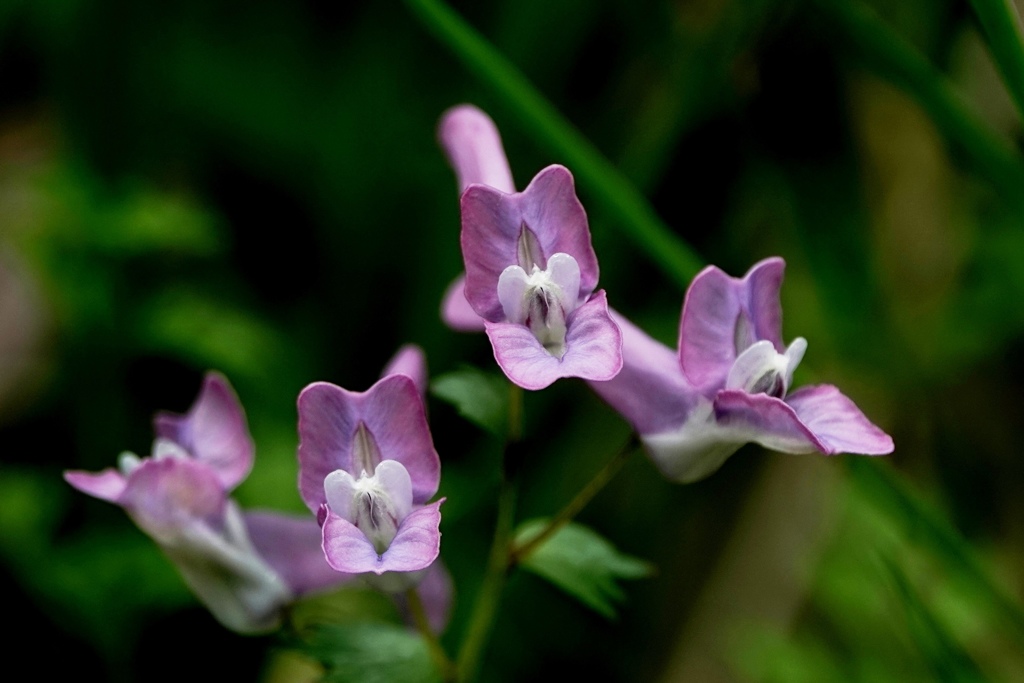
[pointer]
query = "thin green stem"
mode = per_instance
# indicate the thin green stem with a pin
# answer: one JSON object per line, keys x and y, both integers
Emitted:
{"x": 580, "y": 501}
{"x": 437, "y": 653}
{"x": 489, "y": 597}
{"x": 1001, "y": 24}
{"x": 631, "y": 211}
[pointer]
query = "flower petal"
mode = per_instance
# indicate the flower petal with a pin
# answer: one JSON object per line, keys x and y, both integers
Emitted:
{"x": 593, "y": 348}
{"x": 762, "y": 284}
{"x": 765, "y": 420}
{"x": 722, "y": 316}
{"x": 164, "y": 496}
{"x": 456, "y": 311}
{"x": 107, "y": 484}
{"x": 410, "y": 361}
{"x": 714, "y": 431}
{"x": 414, "y": 547}
{"x": 492, "y": 222}
{"x": 291, "y": 546}
{"x": 214, "y": 431}
{"x": 473, "y": 145}
{"x": 837, "y": 422}
{"x": 650, "y": 391}
{"x": 392, "y": 411}
{"x": 551, "y": 209}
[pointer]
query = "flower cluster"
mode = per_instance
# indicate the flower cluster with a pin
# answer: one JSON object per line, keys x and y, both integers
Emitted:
{"x": 728, "y": 384}
{"x": 368, "y": 470}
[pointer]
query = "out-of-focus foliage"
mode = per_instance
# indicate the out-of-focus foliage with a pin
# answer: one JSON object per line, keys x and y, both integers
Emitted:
{"x": 255, "y": 188}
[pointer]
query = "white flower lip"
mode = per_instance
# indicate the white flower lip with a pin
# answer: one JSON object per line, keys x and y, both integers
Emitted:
{"x": 542, "y": 299}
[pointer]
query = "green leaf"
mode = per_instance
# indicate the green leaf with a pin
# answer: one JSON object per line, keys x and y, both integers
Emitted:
{"x": 480, "y": 397}
{"x": 1001, "y": 23}
{"x": 582, "y": 563}
{"x": 371, "y": 652}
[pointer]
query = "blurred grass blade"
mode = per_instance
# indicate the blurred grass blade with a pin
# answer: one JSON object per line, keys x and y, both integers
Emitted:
{"x": 630, "y": 210}
{"x": 894, "y": 58}
{"x": 948, "y": 661}
{"x": 1001, "y": 24}
{"x": 921, "y": 521}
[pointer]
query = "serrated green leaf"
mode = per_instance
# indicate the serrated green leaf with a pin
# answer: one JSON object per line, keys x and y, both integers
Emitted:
{"x": 480, "y": 397}
{"x": 582, "y": 563}
{"x": 370, "y": 652}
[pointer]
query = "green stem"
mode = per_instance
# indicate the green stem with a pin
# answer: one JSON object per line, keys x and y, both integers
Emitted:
{"x": 1001, "y": 24}
{"x": 486, "y": 608}
{"x": 489, "y": 597}
{"x": 437, "y": 653}
{"x": 585, "y": 495}
{"x": 607, "y": 186}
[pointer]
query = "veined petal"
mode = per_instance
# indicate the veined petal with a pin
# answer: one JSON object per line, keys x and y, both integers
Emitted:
{"x": 761, "y": 285}
{"x": 456, "y": 311}
{"x": 491, "y": 225}
{"x": 550, "y": 208}
{"x": 410, "y": 361}
{"x": 414, "y": 547}
{"x": 650, "y": 391}
{"x": 214, "y": 431}
{"x": 493, "y": 221}
{"x": 723, "y": 316}
{"x": 593, "y": 348}
{"x": 708, "y": 328}
{"x": 766, "y": 420}
{"x": 473, "y": 145}
{"x": 837, "y": 422}
{"x": 392, "y": 411}
{"x": 106, "y": 484}
{"x": 291, "y": 546}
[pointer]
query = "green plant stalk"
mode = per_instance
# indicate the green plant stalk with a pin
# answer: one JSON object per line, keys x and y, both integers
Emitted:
{"x": 607, "y": 185}
{"x": 579, "y": 501}
{"x": 892, "y": 57}
{"x": 1001, "y": 24}
{"x": 419, "y": 616}
{"x": 485, "y": 610}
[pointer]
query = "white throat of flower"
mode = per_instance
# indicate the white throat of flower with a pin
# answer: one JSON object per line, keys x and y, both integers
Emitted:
{"x": 542, "y": 299}
{"x": 375, "y": 503}
{"x": 760, "y": 369}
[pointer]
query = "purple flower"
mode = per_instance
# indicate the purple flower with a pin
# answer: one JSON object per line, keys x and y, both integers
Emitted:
{"x": 367, "y": 467}
{"x": 531, "y": 271}
{"x": 730, "y": 382}
{"x": 244, "y": 567}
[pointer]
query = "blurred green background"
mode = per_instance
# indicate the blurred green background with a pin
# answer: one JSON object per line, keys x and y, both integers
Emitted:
{"x": 256, "y": 188}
